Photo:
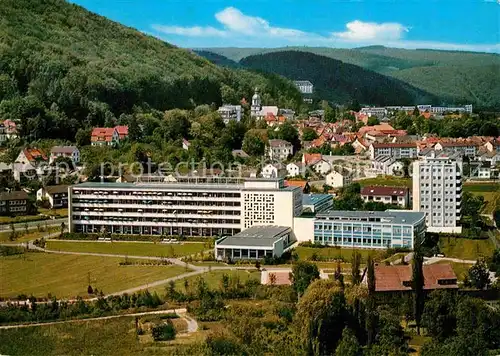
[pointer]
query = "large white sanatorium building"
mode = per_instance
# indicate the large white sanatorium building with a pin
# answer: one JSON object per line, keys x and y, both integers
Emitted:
{"x": 437, "y": 191}
{"x": 224, "y": 206}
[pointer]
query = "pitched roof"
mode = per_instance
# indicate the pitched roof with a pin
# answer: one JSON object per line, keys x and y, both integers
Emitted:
{"x": 14, "y": 195}
{"x": 311, "y": 158}
{"x": 55, "y": 189}
{"x": 398, "y": 278}
{"x": 122, "y": 130}
{"x": 33, "y": 154}
{"x": 384, "y": 191}
{"x": 279, "y": 143}
{"x": 296, "y": 183}
{"x": 395, "y": 145}
{"x": 63, "y": 149}
{"x": 365, "y": 129}
{"x": 102, "y": 134}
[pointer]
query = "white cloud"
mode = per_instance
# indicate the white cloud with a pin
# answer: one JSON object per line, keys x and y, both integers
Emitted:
{"x": 195, "y": 31}
{"x": 371, "y": 31}
{"x": 239, "y": 29}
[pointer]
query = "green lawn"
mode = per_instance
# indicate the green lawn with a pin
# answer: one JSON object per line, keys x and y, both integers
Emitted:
{"x": 305, "y": 253}
{"x": 466, "y": 249}
{"x": 21, "y": 218}
{"x": 129, "y": 248}
{"x": 490, "y": 192}
{"x": 31, "y": 235}
{"x": 53, "y": 212}
{"x": 386, "y": 180}
{"x": 107, "y": 337}
{"x": 67, "y": 275}
{"x": 481, "y": 187}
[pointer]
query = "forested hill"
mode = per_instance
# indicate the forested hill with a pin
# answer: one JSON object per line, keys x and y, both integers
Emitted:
{"x": 62, "y": 67}
{"x": 455, "y": 77}
{"x": 218, "y": 59}
{"x": 337, "y": 81}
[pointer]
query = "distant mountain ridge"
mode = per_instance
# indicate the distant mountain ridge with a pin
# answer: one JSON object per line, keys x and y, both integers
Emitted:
{"x": 453, "y": 77}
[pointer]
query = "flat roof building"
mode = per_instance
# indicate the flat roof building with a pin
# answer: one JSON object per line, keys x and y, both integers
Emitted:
{"x": 316, "y": 203}
{"x": 362, "y": 229}
{"x": 197, "y": 206}
{"x": 256, "y": 242}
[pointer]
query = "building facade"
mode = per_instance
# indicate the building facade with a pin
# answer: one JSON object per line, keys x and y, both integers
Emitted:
{"x": 230, "y": 113}
{"x": 437, "y": 191}
{"x": 71, "y": 152}
{"x": 304, "y": 86}
{"x": 14, "y": 203}
{"x": 223, "y": 206}
{"x": 56, "y": 195}
{"x": 362, "y": 229}
{"x": 279, "y": 150}
{"x": 387, "y": 195}
{"x": 394, "y": 150}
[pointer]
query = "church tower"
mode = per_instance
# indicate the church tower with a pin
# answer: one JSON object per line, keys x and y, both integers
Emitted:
{"x": 256, "y": 104}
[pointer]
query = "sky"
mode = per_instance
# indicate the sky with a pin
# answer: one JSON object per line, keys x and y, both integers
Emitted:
{"x": 470, "y": 25}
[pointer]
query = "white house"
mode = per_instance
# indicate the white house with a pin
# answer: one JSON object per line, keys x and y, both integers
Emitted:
{"x": 337, "y": 180}
{"x": 71, "y": 152}
{"x": 387, "y": 165}
{"x": 322, "y": 167}
{"x": 295, "y": 169}
{"x": 273, "y": 171}
{"x": 279, "y": 150}
{"x": 185, "y": 144}
{"x": 57, "y": 195}
{"x": 269, "y": 110}
{"x": 230, "y": 112}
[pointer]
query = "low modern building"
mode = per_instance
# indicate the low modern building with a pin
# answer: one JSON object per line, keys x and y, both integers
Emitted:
{"x": 387, "y": 165}
{"x": 362, "y": 229}
{"x": 256, "y": 242}
{"x": 191, "y": 207}
{"x": 316, "y": 203}
{"x": 14, "y": 203}
{"x": 56, "y": 195}
{"x": 387, "y": 195}
{"x": 304, "y": 86}
{"x": 394, "y": 150}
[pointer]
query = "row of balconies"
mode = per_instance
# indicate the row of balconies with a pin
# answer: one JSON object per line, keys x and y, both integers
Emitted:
{"x": 156, "y": 224}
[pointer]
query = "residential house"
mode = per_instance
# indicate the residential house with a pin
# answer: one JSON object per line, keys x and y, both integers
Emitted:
{"x": 269, "y": 110}
{"x": 230, "y": 113}
{"x": 273, "y": 120}
{"x": 387, "y": 195}
{"x": 461, "y": 147}
{"x": 338, "y": 180}
{"x": 493, "y": 145}
{"x": 360, "y": 145}
{"x": 303, "y": 184}
{"x": 386, "y": 127}
{"x": 122, "y": 132}
{"x": 273, "y": 170}
{"x": 395, "y": 150}
{"x": 295, "y": 169}
{"x": 71, "y": 152}
{"x": 9, "y": 130}
{"x": 104, "y": 136}
{"x": 14, "y": 203}
{"x": 398, "y": 278}
{"x": 279, "y": 150}
{"x": 34, "y": 156}
{"x": 304, "y": 86}
{"x": 374, "y": 111}
{"x": 387, "y": 165}
{"x": 56, "y": 195}
{"x": 29, "y": 164}
{"x": 239, "y": 154}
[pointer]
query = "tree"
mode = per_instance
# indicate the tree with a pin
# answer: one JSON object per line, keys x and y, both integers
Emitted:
{"x": 355, "y": 266}
{"x": 478, "y": 275}
{"x": 303, "y": 273}
{"x": 471, "y": 207}
{"x": 63, "y": 227}
{"x": 373, "y": 121}
{"x": 439, "y": 314}
{"x": 321, "y": 317}
{"x": 329, "y": 115}
{"x": 308, "y": 134}
{"x": 12, "y": 235}
{"x": 257, "y": 265}
{"x": 253, "y": 144}
{"x": 26, "y": 227}
{"x": 82, "y": 137}
{"x": 418, "y": 282}
{"x": 348, "y": 345}
{"x": 371, "y": 317}
{"x": 134, "y": 131}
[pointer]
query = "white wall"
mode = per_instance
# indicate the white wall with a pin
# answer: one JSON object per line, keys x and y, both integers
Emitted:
{"x": 303, "y": 229}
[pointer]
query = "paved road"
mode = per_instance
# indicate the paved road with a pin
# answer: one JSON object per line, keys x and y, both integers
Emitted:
{"x": 191, "y": 323}
{"x": 432, "y": 260}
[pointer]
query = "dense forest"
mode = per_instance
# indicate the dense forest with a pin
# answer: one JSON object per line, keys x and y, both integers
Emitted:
{"x": 63, "y": 68}
{"x": 455, "y": 77}
{"x": 337, "y": 81}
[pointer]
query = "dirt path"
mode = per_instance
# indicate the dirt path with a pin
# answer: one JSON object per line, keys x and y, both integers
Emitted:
{"x": 193, "y": 323}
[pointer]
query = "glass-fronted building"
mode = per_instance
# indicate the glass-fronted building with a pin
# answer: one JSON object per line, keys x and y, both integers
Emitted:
{"x": 369, "y": 229}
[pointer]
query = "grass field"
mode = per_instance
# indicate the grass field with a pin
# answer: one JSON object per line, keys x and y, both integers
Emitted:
{"x": 67, "y": 275}
{"x": 108, "y": 337}
{"x": 129, "y": 248}
{"x": 386, "y": 180}
{"x": 305, "y": 253}
{"x": 466, "y": 249}
{"x": 18, "y": 219}
{"x": 31, "y": 235}
{"x": 490, "y": 192}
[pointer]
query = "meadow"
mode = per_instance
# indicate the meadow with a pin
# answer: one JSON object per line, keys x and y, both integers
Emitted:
{"x": 67, "y": 276}
{"x": 466, "y": 249}
{"x": 129, "y": 248}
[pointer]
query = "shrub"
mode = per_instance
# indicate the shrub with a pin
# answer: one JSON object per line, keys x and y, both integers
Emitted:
{"x": 163, "y": 332}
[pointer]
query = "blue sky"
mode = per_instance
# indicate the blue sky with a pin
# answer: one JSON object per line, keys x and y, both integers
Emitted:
{"x": 440, "y": 24}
